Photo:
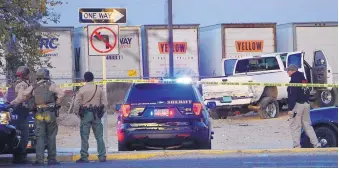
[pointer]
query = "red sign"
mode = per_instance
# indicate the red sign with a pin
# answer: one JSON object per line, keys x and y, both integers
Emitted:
{"x": 109, "y": 46}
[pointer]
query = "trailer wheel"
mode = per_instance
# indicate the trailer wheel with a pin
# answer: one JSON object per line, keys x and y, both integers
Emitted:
{"x": 325, "y": 98}
{"x": 269, "y": 108}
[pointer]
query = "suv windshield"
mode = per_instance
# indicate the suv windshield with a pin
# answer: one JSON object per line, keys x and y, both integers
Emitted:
{"x": 257, "y": 64}
{"x": 149, "y": 93}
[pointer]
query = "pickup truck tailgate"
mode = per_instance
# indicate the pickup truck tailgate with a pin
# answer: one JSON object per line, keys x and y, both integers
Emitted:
{"x": 213, "y": 91}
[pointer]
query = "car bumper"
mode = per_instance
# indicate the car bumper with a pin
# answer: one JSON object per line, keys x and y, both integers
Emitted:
{"x": 237, "y": 102}
{"x": 155, "y": 139}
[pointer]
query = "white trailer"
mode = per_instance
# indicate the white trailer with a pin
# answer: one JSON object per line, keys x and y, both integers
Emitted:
{"x": 156, "y": 50}
{"x": 128, "y": 64}
{"x": 309, "y": 37}
{"x": 56, "y": 45}
{"x": 233, "y": 40}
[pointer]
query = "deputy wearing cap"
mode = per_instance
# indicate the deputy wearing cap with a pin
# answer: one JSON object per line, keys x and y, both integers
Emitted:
{"x": 22, "y": 112}
{"x": 299, "y": 108}
{"x": 89, "y": 105}
{"x": 47, "y": 100}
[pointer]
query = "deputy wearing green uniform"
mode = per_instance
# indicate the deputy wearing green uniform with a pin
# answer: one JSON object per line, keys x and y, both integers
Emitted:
{"x": 89, "y": 105}
{"x": 47, "y": 97}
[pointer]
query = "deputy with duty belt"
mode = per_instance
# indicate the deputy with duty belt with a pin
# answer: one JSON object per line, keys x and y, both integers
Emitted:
{"x": 21, "y": 111}
{"x": 89, "y": 105}
{"x": 299, "y": 108}
{"x": 47, "y": 100}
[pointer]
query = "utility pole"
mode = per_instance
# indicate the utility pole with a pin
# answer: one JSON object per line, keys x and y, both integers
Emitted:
{"x": 170, "y": 39}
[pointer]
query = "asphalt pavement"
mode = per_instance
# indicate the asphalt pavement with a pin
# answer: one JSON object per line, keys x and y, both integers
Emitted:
{"x": 262, "y": 160}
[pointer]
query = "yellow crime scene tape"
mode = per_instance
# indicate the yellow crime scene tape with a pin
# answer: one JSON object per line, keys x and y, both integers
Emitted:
{"x": 67, "y": 85}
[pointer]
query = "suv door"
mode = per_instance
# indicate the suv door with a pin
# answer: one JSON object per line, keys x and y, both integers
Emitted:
{"x": 321, "y": 70}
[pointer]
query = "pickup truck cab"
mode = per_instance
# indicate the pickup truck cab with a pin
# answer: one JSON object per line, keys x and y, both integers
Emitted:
{"x": 267, "y": 68}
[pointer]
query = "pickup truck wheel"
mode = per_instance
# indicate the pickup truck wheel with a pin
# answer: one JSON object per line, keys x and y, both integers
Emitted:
{"x": 326, "y": 98}
{"x": 269, "y": 108}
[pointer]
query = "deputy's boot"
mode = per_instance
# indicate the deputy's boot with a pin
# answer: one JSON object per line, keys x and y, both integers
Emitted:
{"x": 82, "y": 161}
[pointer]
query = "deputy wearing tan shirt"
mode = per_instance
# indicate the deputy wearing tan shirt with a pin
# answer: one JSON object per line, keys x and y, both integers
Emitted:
{"x": 46, "y": 93}
{"x": 90, "y": 104}
{"x": 22, "y": 112}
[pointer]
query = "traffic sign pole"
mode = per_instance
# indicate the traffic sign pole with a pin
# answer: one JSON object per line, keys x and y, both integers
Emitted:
{"x": 104, "y": 77}
{"x": 106, "y": 43}
{"x": 170, "y": 39}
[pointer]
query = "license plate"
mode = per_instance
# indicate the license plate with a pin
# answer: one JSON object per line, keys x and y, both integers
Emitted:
{"x": 161, "y": 112}
{"x": 227, "y": 99}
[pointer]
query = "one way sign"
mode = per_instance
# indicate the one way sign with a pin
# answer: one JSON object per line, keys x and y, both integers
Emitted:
{"x": 102, "y": 15}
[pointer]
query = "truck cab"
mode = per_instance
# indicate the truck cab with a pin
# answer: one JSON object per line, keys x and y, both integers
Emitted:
{"x": 319, "y": 72}
{"x": 267, "y": 68}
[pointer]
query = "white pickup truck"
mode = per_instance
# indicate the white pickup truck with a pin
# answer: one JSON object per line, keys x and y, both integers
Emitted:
{"x": 268, "y": 68}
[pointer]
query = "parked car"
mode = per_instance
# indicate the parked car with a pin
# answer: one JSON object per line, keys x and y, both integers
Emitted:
{"x": 10, "y": 136}
{"x": 163, "y": 116}
{"x": 325, "y": 124}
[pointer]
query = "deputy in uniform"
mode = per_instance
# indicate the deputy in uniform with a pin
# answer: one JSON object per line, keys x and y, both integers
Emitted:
{"x": 299, "y": 108}
{"x": 47, "y": 98}
{"x": 21, "y": 111}
{"x": 89, "y": 105}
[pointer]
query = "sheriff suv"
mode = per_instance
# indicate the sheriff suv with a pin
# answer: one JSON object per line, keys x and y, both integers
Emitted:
{"x": 166, "y": 115}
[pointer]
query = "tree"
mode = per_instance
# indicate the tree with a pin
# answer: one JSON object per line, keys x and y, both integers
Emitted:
{"x": 20, "y": 33}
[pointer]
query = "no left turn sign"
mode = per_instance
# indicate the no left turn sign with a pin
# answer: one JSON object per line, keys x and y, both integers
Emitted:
{"x": 103, "y": 40}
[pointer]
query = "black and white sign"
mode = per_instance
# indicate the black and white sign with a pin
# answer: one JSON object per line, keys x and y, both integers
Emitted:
{"x": 102, "y": 15}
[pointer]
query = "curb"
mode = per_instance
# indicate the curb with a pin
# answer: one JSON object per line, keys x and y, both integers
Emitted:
{"x": 148, "y": 154}
{"x": 135, "y": 155}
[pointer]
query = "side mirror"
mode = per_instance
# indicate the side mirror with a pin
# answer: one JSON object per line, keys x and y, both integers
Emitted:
{"x": 211, "y": 105}
{"x": 117, "y": 107}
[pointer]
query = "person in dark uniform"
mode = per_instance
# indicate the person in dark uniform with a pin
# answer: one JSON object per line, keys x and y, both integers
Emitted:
{"x": 21, "y": 111}
{"x": 89, "y": 105}
{"x": 47, "y": 100}
{"x": 299, "y": 108}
